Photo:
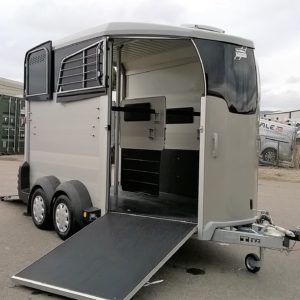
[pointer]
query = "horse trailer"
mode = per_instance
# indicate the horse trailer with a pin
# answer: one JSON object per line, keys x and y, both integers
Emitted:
{"x": 185, "y": 124}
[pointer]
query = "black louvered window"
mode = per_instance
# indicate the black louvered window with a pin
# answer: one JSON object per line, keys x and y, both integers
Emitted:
{"x": 38, "y": 72}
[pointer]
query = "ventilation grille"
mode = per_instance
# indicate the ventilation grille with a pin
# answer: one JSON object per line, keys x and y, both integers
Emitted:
{"x": 84, "y": 69}
{"x": 37, "y": 57}
{"x": 37, "y": 71}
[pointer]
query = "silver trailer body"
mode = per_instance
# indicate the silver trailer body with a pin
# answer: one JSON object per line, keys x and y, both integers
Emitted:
{"x": 69, "y": 139}
{"x": 185, "y": 163}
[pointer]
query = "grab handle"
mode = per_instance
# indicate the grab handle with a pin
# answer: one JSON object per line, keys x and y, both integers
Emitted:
{"x": 215, "y": 139}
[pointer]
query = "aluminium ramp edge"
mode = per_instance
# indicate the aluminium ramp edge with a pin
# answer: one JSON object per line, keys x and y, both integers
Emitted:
{"x": 112, "y": 258}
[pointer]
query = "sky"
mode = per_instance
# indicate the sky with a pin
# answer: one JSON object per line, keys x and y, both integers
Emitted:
{"x": 274, "y": 26}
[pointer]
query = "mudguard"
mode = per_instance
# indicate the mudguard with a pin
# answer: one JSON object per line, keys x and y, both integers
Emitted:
{"x": 49, "y": 185}
{"x": 23, "y": 182}
{"x": 79, "y": 197}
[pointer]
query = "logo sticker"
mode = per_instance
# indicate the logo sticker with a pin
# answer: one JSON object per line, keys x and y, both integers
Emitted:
{"x": 240, "y": 53}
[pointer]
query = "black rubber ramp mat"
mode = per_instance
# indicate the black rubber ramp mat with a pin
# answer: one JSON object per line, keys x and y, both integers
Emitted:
{"x": 112, "y": 258}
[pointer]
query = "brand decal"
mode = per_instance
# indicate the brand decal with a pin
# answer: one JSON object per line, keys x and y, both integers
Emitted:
{"x": 272, "y": 127}
{"x": 240, "y": 53}
{"x": 250, "y": 240}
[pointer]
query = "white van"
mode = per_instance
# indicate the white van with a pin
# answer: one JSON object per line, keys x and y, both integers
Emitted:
{"x": 277, "y": 140}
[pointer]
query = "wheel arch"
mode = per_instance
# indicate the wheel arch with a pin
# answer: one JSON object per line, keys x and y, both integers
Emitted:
{"x": 268, "y": 145}
{"x": 79, "y": 196}
{"x": 48, "y": 184}
{"x": 23, "y": 182}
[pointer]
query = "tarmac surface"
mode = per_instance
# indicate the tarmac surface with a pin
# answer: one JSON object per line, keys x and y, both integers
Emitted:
{"x": 220, "y": 269}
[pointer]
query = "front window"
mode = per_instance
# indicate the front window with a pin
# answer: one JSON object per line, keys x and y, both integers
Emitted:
{"x": 230, "y": 73}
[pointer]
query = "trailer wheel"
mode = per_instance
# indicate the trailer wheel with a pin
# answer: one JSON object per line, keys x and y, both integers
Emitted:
{"x": 63, "y": 217}
{"x": 270, "y": 155}
{"x": 251, "y": 262}
{"x": 40, "y": 211}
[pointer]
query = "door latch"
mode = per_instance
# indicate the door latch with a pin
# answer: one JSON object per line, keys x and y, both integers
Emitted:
{"x": 151, "y": 133}
{"x": 157, "y": 117}
{"x": 215, "y": 148}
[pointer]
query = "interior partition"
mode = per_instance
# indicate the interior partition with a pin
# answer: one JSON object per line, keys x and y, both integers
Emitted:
{"x": 159, "y": 120}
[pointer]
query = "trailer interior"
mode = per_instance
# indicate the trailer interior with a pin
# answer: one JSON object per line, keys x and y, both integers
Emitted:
{"x": 159, "y": 84}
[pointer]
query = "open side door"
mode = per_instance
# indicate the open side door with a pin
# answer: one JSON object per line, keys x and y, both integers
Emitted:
{"x": 228, "y": 167}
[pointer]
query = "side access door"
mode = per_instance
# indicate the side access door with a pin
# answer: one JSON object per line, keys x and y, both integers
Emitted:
{"x": 228, "y": 167}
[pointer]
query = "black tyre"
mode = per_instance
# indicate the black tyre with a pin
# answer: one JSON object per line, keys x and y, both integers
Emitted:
{"x": 40, "y": 210}
{"x": 251, "y": 260}
{"x": 270, "y": 155}
{"x": 63, "y": 217}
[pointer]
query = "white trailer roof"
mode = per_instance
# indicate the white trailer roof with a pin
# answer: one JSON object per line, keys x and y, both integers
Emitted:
{"x": 123, "y": 29}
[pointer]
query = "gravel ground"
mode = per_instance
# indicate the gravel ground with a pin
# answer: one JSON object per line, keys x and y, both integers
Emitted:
{"x": 279, "y": 174}
{"x": 223, "y": 272}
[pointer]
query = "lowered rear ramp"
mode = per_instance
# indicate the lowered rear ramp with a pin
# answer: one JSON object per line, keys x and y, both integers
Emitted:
{"x": 112, "y": 258}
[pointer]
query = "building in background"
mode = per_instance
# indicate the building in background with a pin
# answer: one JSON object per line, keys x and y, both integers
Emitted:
{"x": 11, "y": 88}
{"x": 12, "y": 117}
{"x": 290, "y": 117}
